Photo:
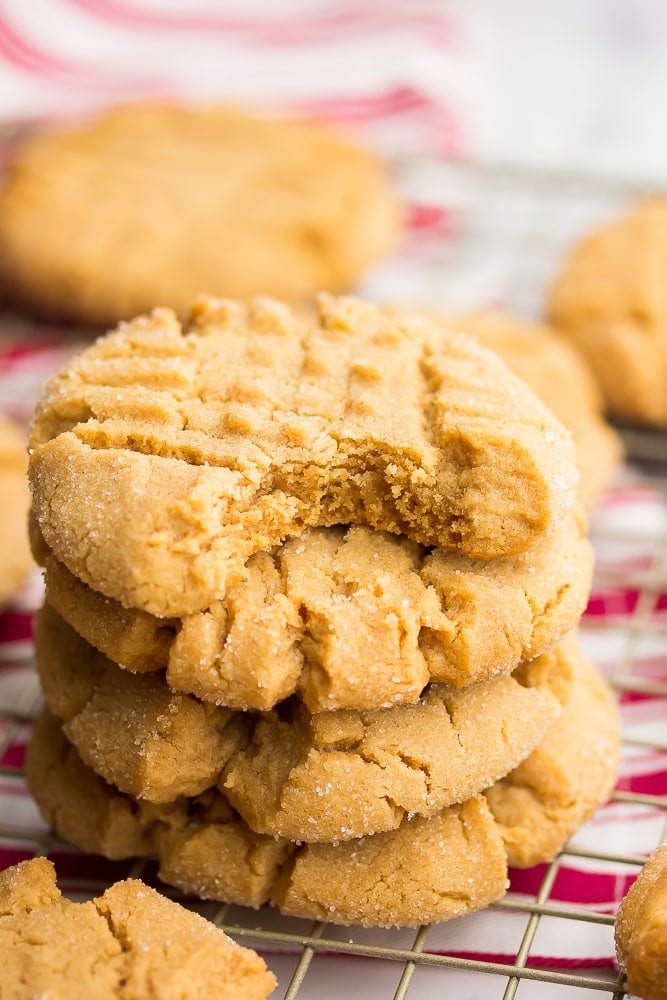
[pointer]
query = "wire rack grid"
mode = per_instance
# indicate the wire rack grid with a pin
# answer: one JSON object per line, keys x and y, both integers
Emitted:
{"x": 494, "y": 235}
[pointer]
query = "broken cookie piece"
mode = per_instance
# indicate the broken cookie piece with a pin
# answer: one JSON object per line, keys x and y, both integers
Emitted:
{"x": 129, "y": 943}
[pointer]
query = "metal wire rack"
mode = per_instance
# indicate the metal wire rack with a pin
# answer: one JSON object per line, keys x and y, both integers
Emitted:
{"x": 498, "y": 240}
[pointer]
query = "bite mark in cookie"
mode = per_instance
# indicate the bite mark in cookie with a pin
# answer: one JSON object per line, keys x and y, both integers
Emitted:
{"x": 559, "y": 376}
{"x": 205, "y": 444}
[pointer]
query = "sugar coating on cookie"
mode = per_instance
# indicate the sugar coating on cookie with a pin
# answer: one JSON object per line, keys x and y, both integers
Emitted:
{"x": 572, "y": 772}
{"x": 331, "y": 776}
{"x": 340, "y": 775}
{"x": 203, "y": 846}
{"x": 15, "y": 559}
{"x": 609, "y": 299}
{"x": 130, "y": 942}
{"x": 426, "y": 871}
{"x": 212, "y": 200}
{"x": 346, "y": 618}
{"x": 442, "y": 867}
{"x": 641, "y": 930}
{"x": 559, "y": 376}
{"x": 202, "y": 445}
{"x": 132, "y": 730}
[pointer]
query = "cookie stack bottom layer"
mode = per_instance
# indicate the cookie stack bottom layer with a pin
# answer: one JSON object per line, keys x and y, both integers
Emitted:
{"x": 429, "y": 869}
{"x": 326, "y": 777}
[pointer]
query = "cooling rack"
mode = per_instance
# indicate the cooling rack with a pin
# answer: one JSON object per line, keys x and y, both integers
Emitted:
{"x": 478, "y": 235}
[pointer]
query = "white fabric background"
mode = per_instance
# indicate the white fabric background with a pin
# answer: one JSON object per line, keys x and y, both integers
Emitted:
{"x": 576, "y": 82}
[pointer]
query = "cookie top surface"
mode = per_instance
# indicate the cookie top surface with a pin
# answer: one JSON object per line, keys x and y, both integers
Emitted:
{"x": 428, "y": 870}
{"x": 558, "y": 375}
{"x": 610, "y": 299}
{"x": 641, "y": 930}
{"x": 153, "y": 204}
{"x": 332, "y": 776}
{"x": 204, "y": 444}
{"x": 129, "y": 943}
{"x": 352, "y": 618}
{"x": 546, "y": 361}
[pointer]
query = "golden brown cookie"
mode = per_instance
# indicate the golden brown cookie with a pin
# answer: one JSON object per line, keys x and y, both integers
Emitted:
{"x": 545, "y": 799}
{"x": 129, "y": 943}
{"x": 350, "y": 618}
{"x": 556, "y": 373}
{"x": 641, "y": 930}
{"x": 610, "y": 300}
{"x": 426, "y": 871}
{"x": 15, "y": 559}
{"x": 204, "y": 847}
{"x": 332, "y": 776}
{"x": 202, "y": 445}
{"x": 132, "y": 730}
{"x": 154, "y": 204}
{"x": 340, "y": 775}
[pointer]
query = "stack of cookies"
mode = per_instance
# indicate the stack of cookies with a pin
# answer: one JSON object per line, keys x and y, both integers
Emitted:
{"x": 310, "y": 584}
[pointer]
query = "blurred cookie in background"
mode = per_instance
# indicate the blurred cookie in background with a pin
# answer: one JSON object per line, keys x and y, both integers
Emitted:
{"x": 556, "y": 373}
{"x": 154, "y": 204}
{"x": 610, "y": 299}
{"x": 15, "y": 559}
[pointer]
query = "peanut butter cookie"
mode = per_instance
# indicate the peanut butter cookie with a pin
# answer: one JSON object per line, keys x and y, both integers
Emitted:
{"x": 641, "y": 930}
{"x": 200, "y": 446}
{"x": 426, "y": 871}
{"x": 351, "y": 618}
{"x": 340, "y": 775}
{"x": 129, "y": 943}
{"x": 557, "y": 374}
{"x": 610, "y": 300}
{"x": 155, "y": 204}
{"x": 332, "y": 776}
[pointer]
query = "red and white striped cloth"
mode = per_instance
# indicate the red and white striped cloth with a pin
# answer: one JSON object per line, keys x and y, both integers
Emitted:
{"x": 391, "y": 72}
{"x": 390, "y": 69}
